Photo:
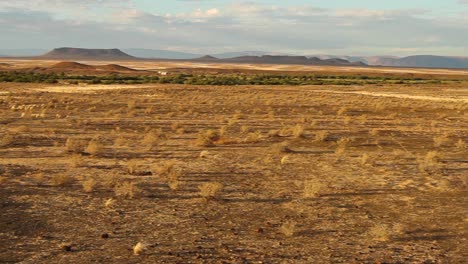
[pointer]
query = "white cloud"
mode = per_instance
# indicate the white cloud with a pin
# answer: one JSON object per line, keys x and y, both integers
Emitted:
{"x": 238, "y": 26}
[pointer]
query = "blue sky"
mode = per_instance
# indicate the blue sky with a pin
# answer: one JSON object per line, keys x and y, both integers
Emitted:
{"x": 341, "y": 27}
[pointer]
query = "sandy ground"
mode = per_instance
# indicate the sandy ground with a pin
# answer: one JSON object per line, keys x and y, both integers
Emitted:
{"x": 161, "y": 65}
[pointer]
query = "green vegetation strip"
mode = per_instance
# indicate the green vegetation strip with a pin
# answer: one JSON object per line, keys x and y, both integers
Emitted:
{"x": 222, "y": 79}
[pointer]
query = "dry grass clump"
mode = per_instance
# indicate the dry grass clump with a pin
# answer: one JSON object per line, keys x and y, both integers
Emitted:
{"x": 132, "y": 166}
{"x": 3, "y": 180}
{"x": 207, "y": 138}
{"x": 312, "y": 188}
{"x": 429, "y": 163}
{"x": 94, "y": 147}
{"x": 76, "y": 160}
{"x": 298, "y": 131}
{"x": 152, "y": 138}
{"x": 440, "y": 140}
{"x": 6, "y": 140}
{"x": 209, "y": 190}
{"x": 164, "y": 169}
{"x": 380, "y": 233}
{"x": 288, "y": 228}
{"x": 253, "y": 137}
{"x": 61, "y": 180}
{"x": 126, "y": 189}
{"x": 204, "y": 154}
{"x": 76, "y": 145}
{"x": 139, "y": 248}
{"x": 89, "y": 185}
{"x": 364, "y": 159}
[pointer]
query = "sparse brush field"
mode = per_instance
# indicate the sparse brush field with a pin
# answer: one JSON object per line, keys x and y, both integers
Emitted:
{"x": 233, "y": 174}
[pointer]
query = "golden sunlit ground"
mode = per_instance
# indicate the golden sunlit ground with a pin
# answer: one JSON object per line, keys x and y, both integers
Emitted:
{"x": 234, "y": 174}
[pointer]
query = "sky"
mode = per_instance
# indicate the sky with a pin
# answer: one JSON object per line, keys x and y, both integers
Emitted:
{"x": 338, "y": 27}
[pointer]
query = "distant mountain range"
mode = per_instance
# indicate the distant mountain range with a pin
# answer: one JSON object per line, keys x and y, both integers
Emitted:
{"x": 424, "y": 61}
{"x": 116, "y": 54}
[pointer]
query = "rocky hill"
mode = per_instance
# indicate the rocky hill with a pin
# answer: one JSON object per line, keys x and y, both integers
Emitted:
{"x": 87, "y": 54}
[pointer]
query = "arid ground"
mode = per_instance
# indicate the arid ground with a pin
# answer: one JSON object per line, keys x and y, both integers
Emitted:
{"x": 234, "y": 174}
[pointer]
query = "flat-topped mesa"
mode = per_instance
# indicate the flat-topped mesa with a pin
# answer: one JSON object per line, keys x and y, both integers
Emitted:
{"x": 89, "y": 54}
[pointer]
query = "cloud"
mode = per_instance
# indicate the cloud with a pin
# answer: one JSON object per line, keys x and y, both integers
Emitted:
{"x": 240, "y": 26}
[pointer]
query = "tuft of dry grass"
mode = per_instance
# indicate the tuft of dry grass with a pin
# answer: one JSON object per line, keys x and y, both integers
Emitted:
{"x": 89, "y": 185}
{"x": 429, "y": 163}
{"x": 132, "y": 166}
{"x": 207, "y": 138}
{"x": 461, "y": 144}
{"x": 288, "y": 228}
{"x": 94, "y": 147}
{"x": 139, "y": 248}
{"x": 164, "y": 169}
{"x": 312, "y": 188}
{"x": 126, "y": 189}
{"x": 380, "y": 233}
{"x": 298, "y": 131}
{"x": 209, "y": 190}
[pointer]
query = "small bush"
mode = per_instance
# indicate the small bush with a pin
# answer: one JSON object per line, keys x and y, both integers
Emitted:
{"x": 75, "y": 145}
{"x": 210, "y": 190}
{"x": 89, "y": 185}
{"x": 288, "y": 228}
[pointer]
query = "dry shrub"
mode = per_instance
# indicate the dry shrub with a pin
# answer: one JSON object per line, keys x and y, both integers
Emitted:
{"x": 164, "y": 169}
{"x": 139, "y": 248}
{"x": 132, "y": 166}
{"x": 312, "y": 188}
{"x": 126, "y": 189}
{"x": 209, "y": 190}
{"x": 152, "y": 138}
{"x": 89, "y": 185}
{"x": 76, "y": 145}
{"x": 429, "y": 163}
{"x": 379, "y": 233}
{"x": 174, "y": 184}
{"x": 288, "y": 228}
{"x": 253, "y": 137}
{"x": 76, "y": 160}
{"x": 61, "y": 180}
{"x": 207, "y": 138}
{"x": 94, "y": 147}
{"x": 364, "y": 159}
{"x": 204, "y": 154}
{"x": 298, "y": 131}
{"x": 440, "y": 140}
